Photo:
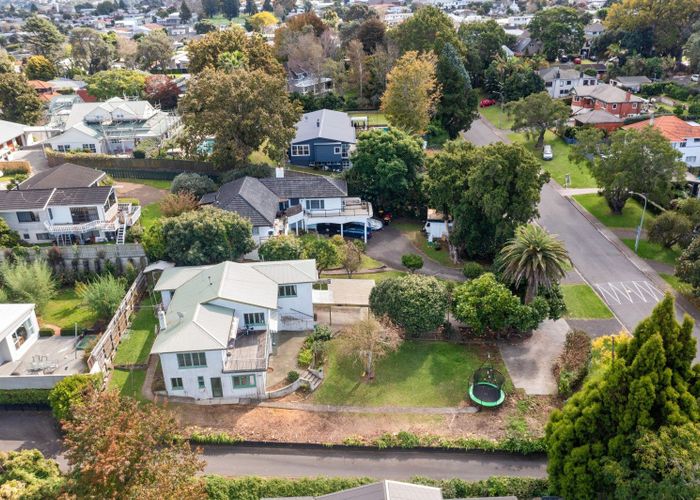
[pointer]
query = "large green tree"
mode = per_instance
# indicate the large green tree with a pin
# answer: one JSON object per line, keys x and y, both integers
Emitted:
{"x": 488, "y": 191}
{"x": 484, "y": 42}
{"x": 185, "y": 12}
{"x": 534, "y": 257}
{"x": 427, "y": 30}
{"x": 90, "y": 50}
{"x": 154, "y": 50}
{"x": 604, "y": 429}
{"x": 385, "y": 167}
{"x": 641, "y": 161}
{"x": 206, "y": 236}
{"x": 560, "y": 29}
{"x": 416, "y": 303}
{"x": 42, "y": 37}
{"x": 39, "y": 68}
{"x": 116, "y": 83}
{"x": 457, "y": 107}
{"x": 244, "y": 110}
{"x": 512, "y": 79}
{"x": 230, "y": 8}
{"x": 18, "y": 100}
{"x": 537, "y": 113}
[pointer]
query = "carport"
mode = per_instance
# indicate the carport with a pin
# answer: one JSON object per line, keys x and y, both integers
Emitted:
{"x": 343, "y": 301}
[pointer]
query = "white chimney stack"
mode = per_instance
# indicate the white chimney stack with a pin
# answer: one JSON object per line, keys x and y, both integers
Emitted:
{"x": 162, "y": 322}
{"x": 279, "y": 172}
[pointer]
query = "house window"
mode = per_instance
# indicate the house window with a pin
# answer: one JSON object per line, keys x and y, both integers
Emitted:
{"x": 563, "y": 91}
{"x": 43, "y": 236}
{"x": 548, "y": 84}
{"x": 191, "y": 360}
{"x": 614, "y": 106}
{"x": 50, "y": 214}
{"x": 287, "y": 291}
{"x": 115, "y": 141}
{"x": 63, "y": 148}
{"x": 696, "y": 140}
{"x": 200, "y": 382}
{"x": 256, "y": 230}
{"x": 241, "y": 381}
{"x": 254, "y": 319}
{"x": 690, "y": 159}
{"x": 89, "y": 147}
{"x": 301, "y": 150}
{"x": 568, "y": 82}
{"x": 315, "y": 204}
{"x": 176, "y": 384}
{"x": 25, "y": 236}
{"x": 84, "y": 214}
{"x": 22, "y": 333}
{"x": 337, "y": 150}
{"x": 634, "y": 105}
{"x": 27, "y": 217}
{"x": 683, "y": 144}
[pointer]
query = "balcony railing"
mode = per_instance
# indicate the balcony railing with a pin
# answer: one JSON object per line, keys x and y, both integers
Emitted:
{"x": 126, "y": 213}
{"x": 363, "y": 208}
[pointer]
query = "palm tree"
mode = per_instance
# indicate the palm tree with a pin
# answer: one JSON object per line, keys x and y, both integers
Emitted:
{"x": 535, "y": 256}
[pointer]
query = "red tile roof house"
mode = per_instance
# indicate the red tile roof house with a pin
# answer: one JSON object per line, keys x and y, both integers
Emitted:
{"x": 604, "y": 100}
{"x": 684, "y": 137}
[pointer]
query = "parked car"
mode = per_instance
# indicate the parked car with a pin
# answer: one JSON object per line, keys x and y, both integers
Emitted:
{"x": 351, "y": 230}
{"x": 375, "y": 224}
{"x": 547, "y": 153}
{"x": 695, "y": 78}
{"x": 485, "y": 103}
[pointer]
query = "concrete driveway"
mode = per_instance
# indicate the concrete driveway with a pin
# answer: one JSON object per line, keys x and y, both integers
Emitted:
{"x": 35, "y": 157}
{"x": 388, "y": 245}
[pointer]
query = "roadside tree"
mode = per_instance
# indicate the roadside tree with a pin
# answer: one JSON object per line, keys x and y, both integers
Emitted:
{"x": 670, "y": 228}
{"x": 537, "y": 113}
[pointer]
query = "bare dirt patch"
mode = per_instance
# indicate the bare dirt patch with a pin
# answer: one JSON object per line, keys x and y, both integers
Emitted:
{"x": 282, "y": 425}
{"x": 145, "y": 194}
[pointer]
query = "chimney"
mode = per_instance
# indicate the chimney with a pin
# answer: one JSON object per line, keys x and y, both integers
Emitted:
{"x": 628, "y": 96}
{"x": 318, "y": 122}
{"x": 162, "y": 323}
{"x": 279, "y": 172}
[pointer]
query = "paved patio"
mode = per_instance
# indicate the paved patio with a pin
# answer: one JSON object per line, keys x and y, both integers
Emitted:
{"x": 285, "y": 359}
{"x": 49, "y": 355}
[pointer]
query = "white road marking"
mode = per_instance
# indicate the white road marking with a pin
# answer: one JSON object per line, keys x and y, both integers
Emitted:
{"x": 629, "y": 292}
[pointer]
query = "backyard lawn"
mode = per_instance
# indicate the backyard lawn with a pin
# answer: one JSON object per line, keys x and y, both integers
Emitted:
{"x": 128, "y": 383}
{"x": 136, "y": 345}
{"x": 583, "y": 303}
{"x": 629, "y": 218}
{"x": 433, "y": 374}
{"x": 65, "y": 310}
{"x": 155, "y": 183}
{"x": 374, "y": 118}
{"x": 654, "y": 251}
{"x": 150, "y": 214}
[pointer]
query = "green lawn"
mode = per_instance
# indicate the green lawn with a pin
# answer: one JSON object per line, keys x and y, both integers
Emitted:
{"x": 368, "y": 262}
{"x": 560, "y": 165}
{"x": 583, "y": 303}
{"x": 498, "y": 118}
{"x": 128, "y": 383}
{"x": 156, "y": 183}
{"x": 654, "y": 251}
{"x": 678, "y": 285}
{"x": 412, "y": 230}
{"x": 65, "y": 310}
{"x": 629, "y": 218}
{"x": 135, "y": 347}
{"x": 374, "y": 118}
{"x": 432, "y": 374}
{"x": 367, "y": 276}
{"x": 149, "y": 214}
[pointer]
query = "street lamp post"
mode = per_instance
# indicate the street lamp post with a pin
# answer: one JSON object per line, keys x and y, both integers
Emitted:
{"x": 641, "y": 223}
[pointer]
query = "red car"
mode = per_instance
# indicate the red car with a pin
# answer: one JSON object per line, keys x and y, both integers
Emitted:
{"x": 485, "y": 103}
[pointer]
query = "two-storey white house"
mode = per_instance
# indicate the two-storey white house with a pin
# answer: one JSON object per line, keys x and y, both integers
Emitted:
{"x": 683, "y": 136}
{"x": 277, "y": 205}
{"x": 67, "y": 205}
{"x": 217, "y": 324}
{"x": 559, "y": 82}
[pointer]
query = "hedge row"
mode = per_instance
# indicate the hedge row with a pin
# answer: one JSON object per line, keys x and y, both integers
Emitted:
{"x": 255, "y": 488}
{"x": 212, "y": 437}
{"x": 24, "y": 396}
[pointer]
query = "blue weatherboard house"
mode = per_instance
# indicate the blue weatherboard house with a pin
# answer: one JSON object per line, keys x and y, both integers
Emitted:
{"x": 323, "y": 140}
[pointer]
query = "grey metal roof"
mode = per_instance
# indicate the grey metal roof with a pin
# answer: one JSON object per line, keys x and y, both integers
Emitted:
{"x": 94, "y": 195}
{"x": 555, "y": 72}
{"x": 10, "y": 130}
{"x": 67, "y": 175}
{"x": 594, "y": 116}
{"x": 249, "y": 198}
{"x": 633, "y": 80}
{"x": 387, "y": 490}
{"x": 36, "y": 199}
{"x": 325, "y": 124}
{"x": 310, "y": 186}
{"x": 606, "y": 93}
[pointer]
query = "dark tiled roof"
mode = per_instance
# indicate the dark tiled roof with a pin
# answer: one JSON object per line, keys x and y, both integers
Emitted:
{"x": 67, "y": 175}
{"x": 35, "y": 199}
{"x": 81, "y": 196}
{"x": 310, "y": 186}
{"x": 249, "y": 198}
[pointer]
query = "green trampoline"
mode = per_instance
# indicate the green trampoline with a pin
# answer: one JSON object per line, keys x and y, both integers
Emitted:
{"x": 486, "y": 389}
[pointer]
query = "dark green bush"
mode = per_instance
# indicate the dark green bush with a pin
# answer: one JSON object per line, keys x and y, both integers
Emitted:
{"x": 139, "y": 153}
{"x": 472, "y": 270}
{"x": 69, "y": 392}
{"x": 292, "y": 376}
{"x": 46, "y": 332}
{"x": 572, "y": 365}
{"x": 24, "y": 396}
{"x": 412, "y": 261}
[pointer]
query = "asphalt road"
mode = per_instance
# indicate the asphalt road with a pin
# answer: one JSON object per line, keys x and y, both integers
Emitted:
{"x": 33, "y": 429}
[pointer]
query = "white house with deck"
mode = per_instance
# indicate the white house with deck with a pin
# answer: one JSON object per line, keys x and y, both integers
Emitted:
{"x": 217, "y": 324}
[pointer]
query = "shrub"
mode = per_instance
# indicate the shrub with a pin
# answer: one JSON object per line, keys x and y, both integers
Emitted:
{"x": 211, "y": 437}
{"x": 139, "y": 153}
{"x": 103, "y": 295}
{"x": 257, "y": 170}
{"x": 27, "y": 474}
{"x": 305, "y": 357}
{"x": 195, "y": 184}
{"x": 8, "y": 237}
{"x": 29, "y": 282}
{"x": 473, "y": 270}
{"x": 688, "y": 265}
{"x": 412, "y": 262}
{"x": 46, "y": 332}
{"x": 134, "y": 233}
{"x": 24, "y": 397}
{"x": 70, "y": 392}
{"x": 572, "y": 365}
{"x": 175, "y": 204}
{"x": 292, "y": 376}
{"x": 415, "y": 303}
{"x": 670, "y": 228}
{"x": 283, "y": 247}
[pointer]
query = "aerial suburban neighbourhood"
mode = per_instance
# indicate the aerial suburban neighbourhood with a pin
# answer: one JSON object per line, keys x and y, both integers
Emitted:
{"x": 369, "y": 249}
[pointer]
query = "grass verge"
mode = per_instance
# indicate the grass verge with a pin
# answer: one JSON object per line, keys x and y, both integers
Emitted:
{"x": 377, "y": 277}
{"x": 583, "y": 303}
{"x": 654, "y": 251}
{"x": 431, "y": 374}
{"x": 629, "y": 219}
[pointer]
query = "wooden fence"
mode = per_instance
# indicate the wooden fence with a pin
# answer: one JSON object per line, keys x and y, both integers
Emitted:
{"x": 158, "y": 167}
{"x": 105, "y": 349}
